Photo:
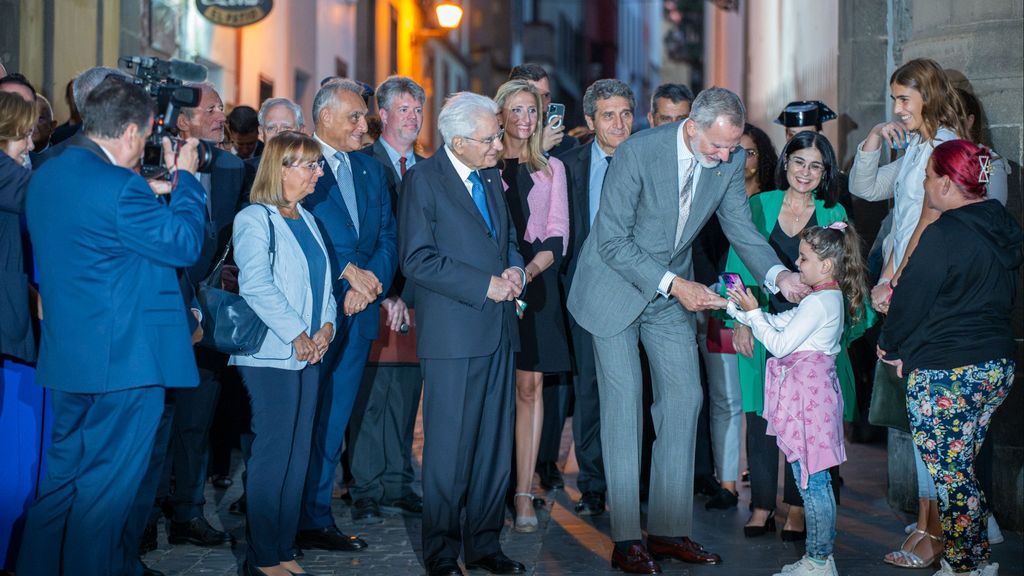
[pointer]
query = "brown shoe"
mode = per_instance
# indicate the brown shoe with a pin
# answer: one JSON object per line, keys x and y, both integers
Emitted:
{"x": 686, "y": 551}
{"x": 636, "y": 560}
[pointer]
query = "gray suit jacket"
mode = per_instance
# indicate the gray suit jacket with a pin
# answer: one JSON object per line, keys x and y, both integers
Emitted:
{"x": 632, "y": 243}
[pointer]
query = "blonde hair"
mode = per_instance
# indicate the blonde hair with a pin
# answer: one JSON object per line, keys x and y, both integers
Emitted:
{"x": 942, "y": 103}
{"x": 287, "y": 148}
{"x": 535, "y": 159}
{"x": 17, "y": 117}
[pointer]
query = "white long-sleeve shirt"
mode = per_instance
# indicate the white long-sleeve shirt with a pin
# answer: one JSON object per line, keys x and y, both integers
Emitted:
{"x": 815, "y": 325}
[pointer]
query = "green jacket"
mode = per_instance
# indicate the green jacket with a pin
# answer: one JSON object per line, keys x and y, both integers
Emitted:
{"x": 764, "y": 210}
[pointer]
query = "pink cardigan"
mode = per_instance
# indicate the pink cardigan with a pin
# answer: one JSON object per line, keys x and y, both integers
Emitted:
{"x": 549, "y": 205}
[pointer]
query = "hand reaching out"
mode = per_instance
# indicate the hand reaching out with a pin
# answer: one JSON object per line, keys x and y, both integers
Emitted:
{"x": 745, "y": 299}
{"x": 695, "y": 296}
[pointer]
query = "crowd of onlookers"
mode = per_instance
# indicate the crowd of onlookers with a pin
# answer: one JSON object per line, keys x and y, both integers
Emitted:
{"x": 689, "y": 290}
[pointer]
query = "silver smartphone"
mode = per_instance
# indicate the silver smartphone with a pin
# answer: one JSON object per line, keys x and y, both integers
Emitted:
{"x": 556, "y": 112}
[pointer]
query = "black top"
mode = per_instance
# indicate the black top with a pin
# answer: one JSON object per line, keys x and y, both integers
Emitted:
{"x": 16, "y": 337}
{"x": 953, "y": 304}
{"x": 788, "y": 250}
{"x": 543, "y": 344}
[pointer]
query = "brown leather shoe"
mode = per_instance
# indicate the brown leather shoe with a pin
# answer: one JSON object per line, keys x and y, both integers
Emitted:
{"x": 636, "y": 560}
{"x": 686, "y": 551}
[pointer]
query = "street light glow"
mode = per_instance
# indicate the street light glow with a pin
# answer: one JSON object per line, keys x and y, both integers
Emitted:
{"x": 449, "y": 14}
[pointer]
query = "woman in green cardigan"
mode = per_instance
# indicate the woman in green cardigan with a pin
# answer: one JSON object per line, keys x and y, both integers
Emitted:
{"x": 807, "y": 174}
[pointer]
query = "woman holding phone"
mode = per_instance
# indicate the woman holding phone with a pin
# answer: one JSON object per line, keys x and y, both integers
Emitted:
{"x": 537, "y": 196}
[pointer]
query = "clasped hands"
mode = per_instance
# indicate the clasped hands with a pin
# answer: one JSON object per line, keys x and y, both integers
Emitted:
{"x": 364, "y": 288}
{"x": 506, "y": 287}
{"x": 312, "y": 349}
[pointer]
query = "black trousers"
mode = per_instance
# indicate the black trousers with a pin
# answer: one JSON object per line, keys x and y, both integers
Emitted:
{"x": 467, "y": 453}
{"x": 188, "y": 450}
{"x": 557, "y": 394}
{"x": 763, "y": 463}
{"x": 283, "y": 408}
{"x": 380, "y": 432}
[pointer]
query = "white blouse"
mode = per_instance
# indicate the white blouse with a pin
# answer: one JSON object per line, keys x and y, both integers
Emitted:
{"x": 815, "y": 325}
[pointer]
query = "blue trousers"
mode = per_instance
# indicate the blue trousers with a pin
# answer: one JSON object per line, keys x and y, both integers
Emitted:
{"x": 101, "y": 449}
{"x": 283, "y": 405}
{"x": 340, "y": 375}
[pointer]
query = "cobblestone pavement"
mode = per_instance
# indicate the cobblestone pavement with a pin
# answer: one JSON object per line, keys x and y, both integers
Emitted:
{"x": 569, "y": 545}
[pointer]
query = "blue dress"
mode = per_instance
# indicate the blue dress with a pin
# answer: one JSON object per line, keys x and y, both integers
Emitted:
{"x": 316, "y": 261}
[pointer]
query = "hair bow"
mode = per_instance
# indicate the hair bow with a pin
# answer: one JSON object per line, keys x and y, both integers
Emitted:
{"x": 838, "y": 225}
{"x": 986, "y": 169}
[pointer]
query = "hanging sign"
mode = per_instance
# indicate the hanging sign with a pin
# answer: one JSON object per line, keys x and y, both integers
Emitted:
{"x": 234, "y": 13}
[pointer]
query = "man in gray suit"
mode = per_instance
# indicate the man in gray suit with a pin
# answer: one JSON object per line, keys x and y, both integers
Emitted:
{"x": 633, "y": 283}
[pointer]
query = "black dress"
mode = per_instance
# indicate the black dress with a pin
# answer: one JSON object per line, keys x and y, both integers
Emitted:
{"x": 543, "y": 346}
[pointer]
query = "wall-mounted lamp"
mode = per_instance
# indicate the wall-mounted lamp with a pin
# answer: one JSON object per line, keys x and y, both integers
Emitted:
{"x": 449, "y": 15}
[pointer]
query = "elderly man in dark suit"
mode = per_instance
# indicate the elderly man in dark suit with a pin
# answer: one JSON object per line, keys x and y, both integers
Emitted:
{"x": 633, "y": 284}
{"x": 458, "y": 246}
{"x": 384, "y": 417}
{"x": 114, "y": 337}
{"x": 225, "y": 183}
{"x": 352, "y": 204}
{"x": 608, "y": 107}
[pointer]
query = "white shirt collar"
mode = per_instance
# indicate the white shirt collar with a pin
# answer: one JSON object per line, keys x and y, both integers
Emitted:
{"x": 463, "y": 170}
{"x": 107, "y": 152}
{"x": 329, "y": 151}
{"x": 684, "y": 151}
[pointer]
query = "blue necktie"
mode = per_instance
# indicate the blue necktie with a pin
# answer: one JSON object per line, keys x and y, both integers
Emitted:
{"x": 348, "y": 188}
{"x": 480, "y": 199}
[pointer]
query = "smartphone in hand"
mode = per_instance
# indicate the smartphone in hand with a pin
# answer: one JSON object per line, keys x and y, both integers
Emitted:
{"x": 555, "y": 115}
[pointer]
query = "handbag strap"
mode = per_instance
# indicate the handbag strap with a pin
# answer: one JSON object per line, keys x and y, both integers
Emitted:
{"x": 213, "y": 279}
{"x": 273, "y": 238}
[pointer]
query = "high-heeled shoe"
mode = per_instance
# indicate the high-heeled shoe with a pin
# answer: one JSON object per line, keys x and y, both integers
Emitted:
{"x": 755, "y": 531}
{"x": 525, "y": 524}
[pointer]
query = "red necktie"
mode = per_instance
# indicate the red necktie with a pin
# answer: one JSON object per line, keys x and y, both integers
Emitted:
{"x": 401, "y": 165}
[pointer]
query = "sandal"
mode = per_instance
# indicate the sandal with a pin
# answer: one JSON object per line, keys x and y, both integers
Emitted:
{"x": 525, "y": 524}
{"x": 908, "y": 559}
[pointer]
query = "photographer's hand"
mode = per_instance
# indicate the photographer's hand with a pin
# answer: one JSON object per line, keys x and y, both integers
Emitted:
{"x": 187, "y": 158}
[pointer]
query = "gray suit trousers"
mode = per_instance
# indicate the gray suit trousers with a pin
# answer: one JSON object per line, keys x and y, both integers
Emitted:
{"x": 668, "y": 335}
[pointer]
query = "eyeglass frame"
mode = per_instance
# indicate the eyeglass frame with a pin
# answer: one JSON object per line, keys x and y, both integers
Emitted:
{"x": 490, "y": 140}
{"x": 311, "y": 166}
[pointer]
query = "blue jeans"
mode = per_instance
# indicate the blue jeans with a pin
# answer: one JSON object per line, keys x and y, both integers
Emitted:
{"x": 819, "y": 512}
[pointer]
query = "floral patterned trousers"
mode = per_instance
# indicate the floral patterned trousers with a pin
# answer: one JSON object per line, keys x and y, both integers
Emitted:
{"x": 949, "y": 414}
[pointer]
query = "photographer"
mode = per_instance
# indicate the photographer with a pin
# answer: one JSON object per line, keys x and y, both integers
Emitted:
{"x": 106, "y": 248}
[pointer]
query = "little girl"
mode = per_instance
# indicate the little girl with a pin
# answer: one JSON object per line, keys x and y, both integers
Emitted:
{"x": 803, "y": 404}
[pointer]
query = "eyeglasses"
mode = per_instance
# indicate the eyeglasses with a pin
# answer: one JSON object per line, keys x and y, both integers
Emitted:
{"x": 752, "y": 152}
{"x": 801, "y": 164}
{"x": 490, "y": 139}
{"x": 274, "y": 129}
{"x": 317, "y": 166}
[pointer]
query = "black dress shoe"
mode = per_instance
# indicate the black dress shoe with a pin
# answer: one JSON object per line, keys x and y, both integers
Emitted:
{"x": 238, "y": 506}
{"x": 722, "y": 500}
{"x": 196, "y": 531}
{"x": 444, "y": 567}
{"x": 221, "y": 481}
{"x": 550, "y": 476}
{"x": 148, "y": 542}
{"x": 794, "y": 535}
{"x": 754, "y": 531}
{"x": 329, "y": 538}
{"x": 590, "y": 504}
{"x": 411, "y": 503}
{"x": 366, "y": 511}
{"x": 497, "y": 563}
{"x": 706, "y": 486}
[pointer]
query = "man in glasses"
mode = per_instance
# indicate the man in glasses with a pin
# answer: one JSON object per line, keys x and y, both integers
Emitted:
{"x": 458, "y": 247}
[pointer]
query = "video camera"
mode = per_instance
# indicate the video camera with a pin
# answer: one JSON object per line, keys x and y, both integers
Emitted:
{"x": 164, "y": 81}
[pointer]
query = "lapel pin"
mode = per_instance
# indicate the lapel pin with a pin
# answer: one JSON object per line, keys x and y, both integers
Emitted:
{"x": 718, "y": 172}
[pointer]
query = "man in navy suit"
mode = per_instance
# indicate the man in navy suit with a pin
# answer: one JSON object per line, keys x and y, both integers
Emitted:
{"x": 458, "y": 246}
{"x": 114, "y": 335}
{"x": 226, "y": 186}
{"x": 384, "y": 417}
{"x": 353, "y": 207}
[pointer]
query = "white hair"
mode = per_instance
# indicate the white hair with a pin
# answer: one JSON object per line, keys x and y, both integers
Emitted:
{"x": 271, "y": 102}
{"x": 461, "y": 113}
{"x": 714, "y": 102}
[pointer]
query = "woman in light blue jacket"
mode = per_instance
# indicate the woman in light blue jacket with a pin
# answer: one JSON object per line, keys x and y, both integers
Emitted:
{"x": 290, "y": 290}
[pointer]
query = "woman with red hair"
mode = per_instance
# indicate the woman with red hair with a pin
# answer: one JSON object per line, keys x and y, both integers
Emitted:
{"x": 949, "y": 331}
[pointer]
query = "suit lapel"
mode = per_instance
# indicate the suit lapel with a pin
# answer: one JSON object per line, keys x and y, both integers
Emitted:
{"x": 360, "y": 179}
{"x": 583, "y": 185}
{"x": 456, "y": 188}
{"x": 495, "y": 196}
{"x": 666, "y": 179}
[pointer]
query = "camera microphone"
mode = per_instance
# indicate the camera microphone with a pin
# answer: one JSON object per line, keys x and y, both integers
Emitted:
{"x": 187, "y": 71}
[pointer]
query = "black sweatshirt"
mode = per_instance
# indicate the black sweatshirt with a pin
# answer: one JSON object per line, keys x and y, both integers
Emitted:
{"x": 953, "y": 302}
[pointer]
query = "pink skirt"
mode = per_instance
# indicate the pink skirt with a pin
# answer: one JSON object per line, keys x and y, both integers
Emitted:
{"x": 804, "y": 410}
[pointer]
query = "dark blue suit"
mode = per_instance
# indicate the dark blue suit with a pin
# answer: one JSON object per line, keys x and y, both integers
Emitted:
{"x": 374, "y": 248}
{"x": 113, "y": 337}
{"x": 465, "y": 342}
